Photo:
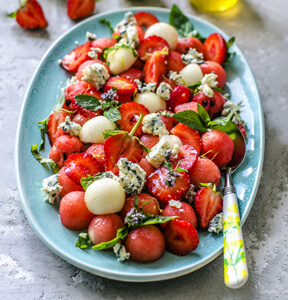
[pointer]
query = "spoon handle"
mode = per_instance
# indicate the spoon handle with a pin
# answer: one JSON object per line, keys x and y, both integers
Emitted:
{"x": 235, "y": 266}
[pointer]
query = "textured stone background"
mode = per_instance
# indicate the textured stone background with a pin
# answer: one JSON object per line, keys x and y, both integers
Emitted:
{"x": 29, "y": 270}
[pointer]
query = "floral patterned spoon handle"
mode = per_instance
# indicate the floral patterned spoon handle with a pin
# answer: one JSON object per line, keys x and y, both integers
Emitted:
{"x": 235, "y": 267}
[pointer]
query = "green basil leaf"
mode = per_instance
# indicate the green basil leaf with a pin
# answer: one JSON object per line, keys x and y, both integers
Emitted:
{"x": 104, "y": 21}
{"x": 191, "y": 119}
{"x": 121, "y": 234}
{"x": 43, "y": 130}
{"x": 147, "y": 150}
{"x": 136, "y": 201}
{"x": 230, "y": 42}
{"x": 229, "y": 55}
{"x": 86, "y": 181}
{"x": 180, "y": 22}
{"x": 89, "y": 102}
{"x": 218, "y": 89}
{"x": 229, "y": 128}
{"x": 60, "y": 102}
{"x": 112, "y": 114}
{"x": 203, "y": 114}
{"x": 83, "y": 241}
{"x": 151, "y": 220}
{"x": 168, "y": 165}
{"x": 195, "y": 33}
{"x": 108, "y": 132}
{"x": 44, "y": 161}
{"x": 194, "y": 86}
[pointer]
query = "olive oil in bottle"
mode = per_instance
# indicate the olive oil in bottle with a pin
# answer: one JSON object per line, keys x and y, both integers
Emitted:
{"x": 213, "y": 5}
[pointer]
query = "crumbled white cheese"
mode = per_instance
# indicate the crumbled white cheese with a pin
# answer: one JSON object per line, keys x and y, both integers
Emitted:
{"x": 175, "y": 203}
{"x": 96, "y": 74}
{"x": 175, "y": 150}
{"x": 72, "y": 80}
{"x": 60, "y": 61}
{"x": 216, "y": 224}
{"x": 94, "y": 52}
{"x": 90, "y": 36}
{"x": 177, "y": 78}
{"x": 51, "y": 188}
{"x": 207, "y": 83}
{"x": 190, "y": 195}
{"x": 120, "y": 252}
{"x": 164, "y": 91}
{"x": 193, "y": 56}
{"x": 150, "y": 87}
{"x": 129, "y": 36}
{"x": 227, "y": 108}
{"x": 131, "y": 176}
{"x": 76, "y": 43}
{"x": 158, "y": 153}
{"x": 226, "y": 97}
{"x": 153, "y": 124}
{"x": 70, "y": 127}
{"x": 128, "y": 19}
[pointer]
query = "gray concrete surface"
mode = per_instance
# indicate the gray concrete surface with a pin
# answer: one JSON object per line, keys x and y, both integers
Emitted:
{"x": 29, "y": 270}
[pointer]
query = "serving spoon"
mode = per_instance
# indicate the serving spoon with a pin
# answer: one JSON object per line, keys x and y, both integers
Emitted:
{"x": 235, "y": 266}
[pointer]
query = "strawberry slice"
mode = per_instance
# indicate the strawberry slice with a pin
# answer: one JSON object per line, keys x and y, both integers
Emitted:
{"x": 174, "y": 62}
{"x": 180, "y": 237}
{"x": 166, "y": 185}
{"x": 205, "y": 171}
{"x": 103, "y": 43}
{"x": 184, "y": 44}
{"x": 208, "y": 203}
{"x": 80, "y": 88}
{"x": 128, "y": 112}
{"x": 72, "y": 61}
{"x": 187, "y": 156}
{"x": 87, "y": 63}
{"x": 30, "y": 15}
{"x": 213, "y": 67}
{"x": 80, "y": 8}
{"x": 119, "y": 146}
{"x": 215, "y": 48}
{"x": 133, "y": 73}
{"x": 188, "y": 136}
{"x": 181, "y": 94}
{"x": 155, "y": 67}
{"x": 79, "y": 165}
{"x": 145, "y": 19}
{"x": 97, "y": 150}
{"x": 126, "y": 87}
{"x": 53, "y": 123}
{"x": 151, "y": 44}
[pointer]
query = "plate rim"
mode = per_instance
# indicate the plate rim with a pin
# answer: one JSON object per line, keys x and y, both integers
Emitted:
{"x": 115, "y": 275}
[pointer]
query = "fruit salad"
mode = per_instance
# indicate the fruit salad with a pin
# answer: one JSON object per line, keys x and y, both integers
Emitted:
{"x": 137, "y": 144}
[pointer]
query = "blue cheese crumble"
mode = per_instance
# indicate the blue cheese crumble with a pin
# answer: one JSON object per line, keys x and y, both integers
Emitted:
{"x": 51, "y": 188}
{"x": 145, "y": 88}
{"x": 129, "y": 36}
{"x": 207, "y": 83}
{"x": 131, "y": 176}
{"x": 177, "y": 78}
{"x": 153, "y": 124}
{"x": 128, "y": 19}
{"x": 193, "y": 56}
{"x": 120, "y": 252}
{"x": 158, "y": 153}
{"x": 164, "y": 91}
{"x": 90, "y": 36}
{"x": 227, "y": 108}
{"x": 94, "y": 52}
{"x": 96, "y": 75}
{"x": 216, "y": 224}
{"x": 70, "y": 127}
{"x": 72, "y": 80}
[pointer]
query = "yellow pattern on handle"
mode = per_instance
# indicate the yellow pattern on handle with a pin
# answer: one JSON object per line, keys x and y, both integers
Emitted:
{"x": 235, "y": 267}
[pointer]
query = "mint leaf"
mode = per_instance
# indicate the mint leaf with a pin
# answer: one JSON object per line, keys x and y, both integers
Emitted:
{"x": 195, "y": 33}
{"x": 104, "y": 21}
{"x": 191, "y": 119}
{"x": 168, "y": 165}
{"x": 43, "y": 130}
{"x": 112, "y": 114}
{"x": 152, "y": 220}
{"x": 44, "y": 161}
{"x": 59, "y": 103}
{"x": 88, "y": 102}
{"x": 228, "y": 127}
{"x": 180, "y": 22}
{"x": 121, "y": 234}
{"x": 203, "y": 114}
{"x": 83, "y": 241}
{"x": 86, "y": 181}
{"x": 229, "y": 55}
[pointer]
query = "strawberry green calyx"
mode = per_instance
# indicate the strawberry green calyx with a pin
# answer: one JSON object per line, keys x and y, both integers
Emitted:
{"x": 209, "y": 185}
{"x": 136, "y": 125}
{"x": 14, "y": 13}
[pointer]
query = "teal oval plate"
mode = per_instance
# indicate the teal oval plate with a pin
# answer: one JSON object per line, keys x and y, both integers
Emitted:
{"x": 41, "y": 97}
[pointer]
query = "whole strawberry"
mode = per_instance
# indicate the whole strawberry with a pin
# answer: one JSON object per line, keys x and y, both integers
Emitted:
{"x": 80, "y": 8}
{"x": 30, "y": 15}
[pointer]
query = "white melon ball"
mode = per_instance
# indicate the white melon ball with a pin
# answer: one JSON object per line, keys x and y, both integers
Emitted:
{"x": 92, "y": 130}
{"x": 164, "y": 30}
{"x": 191, "y": 74}
{"x": 120, "y": 60}
{"x": 172, "y": 140}
{"x": 104, "y": 196}
{"x": 151, "y": 101}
